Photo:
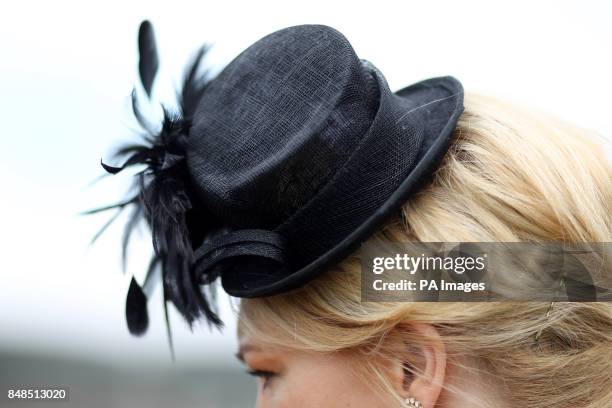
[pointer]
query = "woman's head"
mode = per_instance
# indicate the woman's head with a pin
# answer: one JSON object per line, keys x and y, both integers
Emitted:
{"x": 510, "y": 175}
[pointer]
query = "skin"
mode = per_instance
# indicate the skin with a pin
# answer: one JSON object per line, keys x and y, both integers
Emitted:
{"x": 290, "y": 378}
{"x": 300, "y": 379}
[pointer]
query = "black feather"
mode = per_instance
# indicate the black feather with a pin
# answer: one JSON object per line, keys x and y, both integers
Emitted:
{"x": 136, "y": 313}
{"x": 134, "y": 220}
{"x": 106, "y": 225}
{"x": 194, "y": 84}
{"x": 112, "y": 206}
{"x": 164, "y": 198}
{"x": 149, "y": 60}
{"x": 110, "y": 169}
{"x": 168, "y": 326}
{"x": 142, "y": 121}
{"x": 149, "y": 283}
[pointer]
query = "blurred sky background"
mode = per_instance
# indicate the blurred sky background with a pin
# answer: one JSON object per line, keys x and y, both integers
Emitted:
{"x": 66, "y": 73}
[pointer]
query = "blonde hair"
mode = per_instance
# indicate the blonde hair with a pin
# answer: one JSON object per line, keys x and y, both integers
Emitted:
{"x": 510, "y": 175}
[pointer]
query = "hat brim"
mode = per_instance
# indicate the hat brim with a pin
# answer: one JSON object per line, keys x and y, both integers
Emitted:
{"x": 439, "y": 103}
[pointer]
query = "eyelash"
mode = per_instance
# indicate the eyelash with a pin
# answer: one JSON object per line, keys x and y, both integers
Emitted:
{"x": 265, "y": 375}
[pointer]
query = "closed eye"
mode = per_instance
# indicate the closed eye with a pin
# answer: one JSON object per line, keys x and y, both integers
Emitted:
{"x": 261, "y": 373}
{"x": 266, "y": 376}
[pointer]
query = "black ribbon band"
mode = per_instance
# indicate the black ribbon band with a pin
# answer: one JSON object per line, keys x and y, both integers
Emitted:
{"x": 246, "y": 242}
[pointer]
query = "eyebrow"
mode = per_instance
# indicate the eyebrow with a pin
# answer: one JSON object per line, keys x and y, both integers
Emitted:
{"x": 245, "y": 349}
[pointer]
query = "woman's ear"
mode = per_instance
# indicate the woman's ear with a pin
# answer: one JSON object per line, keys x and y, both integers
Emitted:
{"x": 420, "y": 372}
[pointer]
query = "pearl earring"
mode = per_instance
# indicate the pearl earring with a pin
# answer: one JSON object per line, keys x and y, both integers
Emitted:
{"x": 413, "y": 403}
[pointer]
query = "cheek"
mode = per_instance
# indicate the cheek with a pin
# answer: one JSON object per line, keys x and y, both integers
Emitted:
{"x": 320, "y": 382}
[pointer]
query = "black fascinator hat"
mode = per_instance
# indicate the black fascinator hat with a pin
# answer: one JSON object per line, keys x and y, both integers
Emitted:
{"x": 278, "y": 167}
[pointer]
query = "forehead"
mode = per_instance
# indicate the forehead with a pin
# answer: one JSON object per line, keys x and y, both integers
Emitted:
{"x": 254, "y": 348}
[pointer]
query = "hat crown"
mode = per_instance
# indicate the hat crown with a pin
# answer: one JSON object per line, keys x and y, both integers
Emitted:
{"x": 278, "y": 167}
{"x": 277, "y": 123}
